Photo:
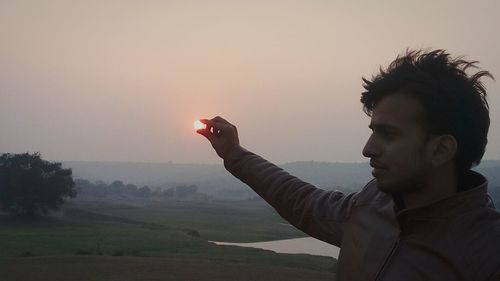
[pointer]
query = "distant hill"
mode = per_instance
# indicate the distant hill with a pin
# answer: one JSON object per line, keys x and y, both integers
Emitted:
{"x": 346, "y": 176}
{"x": 210, "y": 179}
{"x": 151, "y": 174}
{"x": 325, "y": 175}
{"x": 214, "y": 178}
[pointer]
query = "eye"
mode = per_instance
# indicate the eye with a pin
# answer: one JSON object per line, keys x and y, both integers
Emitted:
{"x": 388, "y": 133}
{"x": 384, "y": 132}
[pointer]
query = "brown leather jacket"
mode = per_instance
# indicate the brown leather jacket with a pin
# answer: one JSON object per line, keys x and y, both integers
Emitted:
{"x": 457, "y": 238}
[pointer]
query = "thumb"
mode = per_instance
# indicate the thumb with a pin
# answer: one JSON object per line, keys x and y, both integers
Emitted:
{"x": 206, "y": 133}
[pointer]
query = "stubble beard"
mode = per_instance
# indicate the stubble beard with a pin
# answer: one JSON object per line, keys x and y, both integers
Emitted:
{"x": 409, "y": 184}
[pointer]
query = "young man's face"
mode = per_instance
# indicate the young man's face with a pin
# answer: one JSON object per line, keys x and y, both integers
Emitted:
{"x": 398, "y": 148}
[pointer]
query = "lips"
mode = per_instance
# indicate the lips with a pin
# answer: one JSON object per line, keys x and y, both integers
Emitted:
{"x": 378, "y": 169}
{"x": 377, "y": 165}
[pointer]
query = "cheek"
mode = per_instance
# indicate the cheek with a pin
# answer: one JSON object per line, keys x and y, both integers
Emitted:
{"x": 403, "y": 156}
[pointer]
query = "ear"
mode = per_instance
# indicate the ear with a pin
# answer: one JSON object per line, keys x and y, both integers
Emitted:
{"x": 444, "y": 149}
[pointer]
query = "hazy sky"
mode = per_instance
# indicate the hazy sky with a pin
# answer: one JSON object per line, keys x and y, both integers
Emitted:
{"x": 124, "y": 80}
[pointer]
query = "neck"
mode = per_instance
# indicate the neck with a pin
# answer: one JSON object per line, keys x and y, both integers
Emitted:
{"x": 439, "y": 185}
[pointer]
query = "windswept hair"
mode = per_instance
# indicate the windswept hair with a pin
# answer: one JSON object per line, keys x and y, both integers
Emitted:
{"x": 454, "y": 102}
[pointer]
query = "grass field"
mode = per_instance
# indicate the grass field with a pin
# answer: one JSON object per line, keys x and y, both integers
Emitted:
{"x": 230, "y": 221}
{"x": 92, "y": 268}
{"x": 167, "y": 241}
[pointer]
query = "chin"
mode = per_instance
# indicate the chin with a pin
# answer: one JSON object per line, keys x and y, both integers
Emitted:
{"x": 385, "y": 189}
{"x": 393, "y": 187}
{"x": 388, "y": 187}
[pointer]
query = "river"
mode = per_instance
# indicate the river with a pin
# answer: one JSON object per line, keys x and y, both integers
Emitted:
{"x": 306, "y": 245}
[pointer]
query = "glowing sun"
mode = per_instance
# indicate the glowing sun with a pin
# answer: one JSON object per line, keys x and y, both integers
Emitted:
{"x": 198, "y": 125}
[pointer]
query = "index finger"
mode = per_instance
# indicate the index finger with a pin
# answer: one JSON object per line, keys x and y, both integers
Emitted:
{"x": 204, "y": 121}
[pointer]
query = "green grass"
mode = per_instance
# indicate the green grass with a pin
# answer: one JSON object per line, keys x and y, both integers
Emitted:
{"x": 97, "y": 268}
{"x": 108, "y": 240}
{"x": 229, "y": 221}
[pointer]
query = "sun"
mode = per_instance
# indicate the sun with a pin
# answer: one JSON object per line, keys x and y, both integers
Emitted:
{"x": 198, "y": 125}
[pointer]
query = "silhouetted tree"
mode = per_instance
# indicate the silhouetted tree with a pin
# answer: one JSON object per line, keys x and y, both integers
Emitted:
{"x": 168, "y": 193}
{"x": 185, "y": 190}
{"x": 144, "y": 191}
{"x": 131, "y": 190}
{"x": 117, "y": 187}
{"x": 29, "y": 185}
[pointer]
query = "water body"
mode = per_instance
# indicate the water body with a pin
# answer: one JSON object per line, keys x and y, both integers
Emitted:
{"x": 306, "y": 245}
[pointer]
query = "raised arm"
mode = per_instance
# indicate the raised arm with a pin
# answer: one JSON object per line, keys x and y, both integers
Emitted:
{"x": 317, "y": 212}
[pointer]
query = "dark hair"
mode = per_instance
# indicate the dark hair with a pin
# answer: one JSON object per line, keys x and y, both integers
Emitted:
{"x": 454, "y": 103}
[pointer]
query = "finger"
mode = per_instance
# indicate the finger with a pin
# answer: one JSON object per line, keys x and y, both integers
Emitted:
{"x": 205, "y": 121}
{"x": 208, "y": 127}
{"x": 216, "y": 129}
{"x": 208, "y": 122}
{"x": 211, "y": 125}
{"x": 207, "y": 134}
{"x": 217, "y": 125}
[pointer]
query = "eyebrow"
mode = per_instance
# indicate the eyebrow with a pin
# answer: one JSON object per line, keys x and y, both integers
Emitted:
{"x": 384, "y": 126}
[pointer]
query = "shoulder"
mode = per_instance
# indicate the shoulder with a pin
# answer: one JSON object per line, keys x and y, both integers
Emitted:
{"x": 371, "y": 195}
{"x": 481, "y": 233}
{"x": 482, "y": 222}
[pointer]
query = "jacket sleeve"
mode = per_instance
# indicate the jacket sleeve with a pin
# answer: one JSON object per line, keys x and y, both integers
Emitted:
{"x": 317, "y": 212}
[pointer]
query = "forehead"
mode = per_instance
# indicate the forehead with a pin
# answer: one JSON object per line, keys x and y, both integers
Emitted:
{"x": 397, "y": 110}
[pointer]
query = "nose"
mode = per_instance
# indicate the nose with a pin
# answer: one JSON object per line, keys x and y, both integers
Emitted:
{"x": 371, "y": 150}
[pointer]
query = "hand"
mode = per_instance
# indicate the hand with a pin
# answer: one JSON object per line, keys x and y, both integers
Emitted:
{"x": 222, "y": 135}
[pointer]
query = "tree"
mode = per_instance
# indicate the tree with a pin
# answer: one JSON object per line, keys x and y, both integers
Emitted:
{"x": 184, "y": 191}
{"x": 117, "y": 187}
{"x": 144, "y": 191}
{"x": 31, "y": 185}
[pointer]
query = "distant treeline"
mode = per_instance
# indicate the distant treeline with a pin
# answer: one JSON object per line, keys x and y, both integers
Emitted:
{"x": 119, "y": 190}
{"x": 203, "y": 182}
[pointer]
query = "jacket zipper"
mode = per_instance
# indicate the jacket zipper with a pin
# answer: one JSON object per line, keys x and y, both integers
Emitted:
{"x": 388, "y": 259}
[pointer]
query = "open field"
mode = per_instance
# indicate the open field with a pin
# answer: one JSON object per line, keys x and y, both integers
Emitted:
{"x": 168, "y": 241}
{"x": 230, "y": 221}
{"x": 96, "y": 268}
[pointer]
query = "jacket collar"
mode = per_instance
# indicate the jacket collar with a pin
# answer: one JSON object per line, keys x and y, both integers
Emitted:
{"x": 472, "y": 194}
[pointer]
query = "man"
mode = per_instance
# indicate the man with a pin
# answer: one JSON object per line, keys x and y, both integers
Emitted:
{"x": 426, "y": 215}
